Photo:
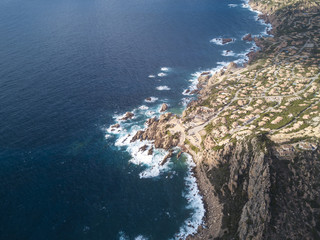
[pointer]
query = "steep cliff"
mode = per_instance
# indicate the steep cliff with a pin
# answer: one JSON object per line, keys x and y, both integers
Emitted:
{"x": 264, "y": 194}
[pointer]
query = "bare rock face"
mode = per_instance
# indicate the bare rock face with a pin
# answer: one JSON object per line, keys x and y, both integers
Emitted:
{"x": 151, "y": 120}
{"x": 127, "y": 116}
{"x": 164, "y": 107}
{"x": 263, "y": 192}
{"x": 157, "y": 131}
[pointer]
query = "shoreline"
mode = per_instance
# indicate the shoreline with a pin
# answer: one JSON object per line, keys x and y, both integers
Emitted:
{"x": 243, "y": 124}
{"x": 212, "y": 219}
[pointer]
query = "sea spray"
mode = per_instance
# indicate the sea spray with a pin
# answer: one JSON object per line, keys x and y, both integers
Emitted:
{"x": 195, "y": 203}
{"x": 163, "y": 88}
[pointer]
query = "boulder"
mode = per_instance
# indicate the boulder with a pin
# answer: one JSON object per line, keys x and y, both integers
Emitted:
{"x": 247, "y": 37}
{"x": 164, "y": 107}
{"x": 128, "y": 115}
{"x": 226, "y": 40}
{"x": 150, "y": 152}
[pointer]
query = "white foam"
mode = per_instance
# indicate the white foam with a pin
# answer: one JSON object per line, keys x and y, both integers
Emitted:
{"x": 185, "y": 101}
{"x": 107, "y": 136}
{"x": 165, "y": 69}
{"x": 140, "y": 237}
{"x": 152, "y": 99}
{"x": 150, "y": 113}
{"x": 123, "y": 236}
{"x": 151, "y": 162}
{"x": 262, "y": 22}
{"x": 194, "y": 80}
{"x": 151, "y": 76}
{"x": 220, "y": 66}
{"x": 162, "y": 74}
{"x": 195, "y": 203}
{"x": 119, "y": 118}
{"x": 163, "y": 88}
{"x": 217, "y": 41}
{"x": 231, "y": 5}
{"x": 112, "y": 130}
{"x": 143, "y": 107}
{"x": 125, "y": 133}
{"x": 228, "y": 53}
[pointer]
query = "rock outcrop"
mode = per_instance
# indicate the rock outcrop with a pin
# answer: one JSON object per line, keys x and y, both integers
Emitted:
{"x": 158, "y": 132}
{"x": 262, "y": 193}
{"x": 227, "y": 40}
{"x": 248, "y": 37}
{"x": 164, "y": 107}
{"x": 127, "y": 116}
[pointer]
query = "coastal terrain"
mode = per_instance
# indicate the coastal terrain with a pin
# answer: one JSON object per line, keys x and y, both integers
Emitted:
{"x": 254, "y": 133}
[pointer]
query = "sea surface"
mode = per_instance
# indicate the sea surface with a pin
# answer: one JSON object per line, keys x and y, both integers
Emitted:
{"x": 68, "y": 70}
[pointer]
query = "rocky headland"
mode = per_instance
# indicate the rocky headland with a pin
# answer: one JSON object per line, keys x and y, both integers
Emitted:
{"x": 254, "y": 133}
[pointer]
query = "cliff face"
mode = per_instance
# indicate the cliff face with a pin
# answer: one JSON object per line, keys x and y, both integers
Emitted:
{"x": 265, "y": 195}
{"x": 295, "y": 189}
{"x": 240, "y": 174}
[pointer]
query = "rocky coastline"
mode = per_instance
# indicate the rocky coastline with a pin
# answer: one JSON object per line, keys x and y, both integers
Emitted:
{"x": 256, "y": 149}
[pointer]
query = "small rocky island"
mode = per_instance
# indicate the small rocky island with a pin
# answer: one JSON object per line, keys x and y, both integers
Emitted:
{"x": 254, "y": 133}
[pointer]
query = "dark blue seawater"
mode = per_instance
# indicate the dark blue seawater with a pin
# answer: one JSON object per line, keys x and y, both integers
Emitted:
{"x": 66, "y": 68}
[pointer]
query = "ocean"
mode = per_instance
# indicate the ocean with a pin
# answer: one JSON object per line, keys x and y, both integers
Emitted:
{"x": 71, "y": 68}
